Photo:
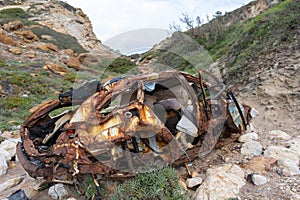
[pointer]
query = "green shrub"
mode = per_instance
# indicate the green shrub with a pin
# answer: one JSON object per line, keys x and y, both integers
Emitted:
{"x": 153, "y": 184}
{"x": 11, "y": 14}
{"x": 121, "y": 65}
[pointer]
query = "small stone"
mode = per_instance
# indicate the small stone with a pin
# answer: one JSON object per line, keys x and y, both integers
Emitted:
{"x": 182, "y": 184}
{"x": 46, "y": 37}
{"x": 194, "y": 174}
{"x": 11, "y": 183}
{"x": 74, "y": 63}
{"x": 259, "y": 179}
{"x": 280, "y": 135}
{"x": 5, "y": 154}
{"x": 70, "y": 52}
{"x": 295, "y": 145}
{"x": 288, "y": 167}
{"x": 15, "y": 50}
{"x": 192, "y": 182}
{"x": 3, "y": 165}
{"x": 281, "y": 153}
{"x": 9, "y": 146}
{"x": 58, "y": 191}
{"x": 52, "y": 47}
{"x": 251, "y": 148}
{"x": 248, "y": 137}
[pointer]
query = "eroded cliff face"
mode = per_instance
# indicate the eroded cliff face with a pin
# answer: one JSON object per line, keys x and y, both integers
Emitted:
{"x": 63, "y": 18}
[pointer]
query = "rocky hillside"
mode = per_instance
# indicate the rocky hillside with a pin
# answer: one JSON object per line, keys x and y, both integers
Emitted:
{"x": 41, "y": 54}
{"x": 254, "y": 50}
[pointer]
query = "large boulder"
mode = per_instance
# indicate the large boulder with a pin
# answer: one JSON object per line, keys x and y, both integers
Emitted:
{"x": 7, "y": 39}
{"x": 222, "y": 182}
{"x": 55, "y": 68}
{"x": 281, "y": 153}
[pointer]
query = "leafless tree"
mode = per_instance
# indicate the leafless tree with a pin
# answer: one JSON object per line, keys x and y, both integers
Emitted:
{"x": 174, "y": 27}
{"x": 207, "y": 18}
{"x": 187, "y": 20}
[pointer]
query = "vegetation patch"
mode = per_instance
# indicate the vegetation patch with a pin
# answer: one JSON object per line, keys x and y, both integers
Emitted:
{"x": 61, "y": 40}
{"x": 153, "y": 184}
{"x": 12, "y": 14}
{"x": 245, "y": 41}
{"x": 26, "y": 85}
{"x": 121, "y": 65}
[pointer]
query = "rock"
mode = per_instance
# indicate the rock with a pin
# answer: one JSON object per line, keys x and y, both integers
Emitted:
{"x": 259, "y": 179}
{"x": 192, "y": 182}
{"x": 295, "y": 145}
{"x": 83, "y": 56}
{"x": 194, "y": 174}
{"x": 11, "y": 183}
{"x": 18, "y": 195}
{"x": 16, "y": 50}
{"x": 280, "y": 135}
{"x": 288, "y": 167}
{"x": 70, "y": 52}
{"x": 28, "y": 35}
{"x": 222, "y": 182}
{"x": 52, "y": 47}
{"x": 55, "y": 68}
{"x": 248, "y": 137}
{"x": 3, "y": 165}
{"x": 5, "y": 154}
{"x": 6, "y": 39}
{"x": 31, "y": 186}
{"x": 30, "y": 192}
{"x": 251, "y": 148}
{"x": 9, "y": 146}
{"x": 49, "y": 47}
{"x": 13, "y": 26}
{"x": 281, "y": 153}
{"x": 30, "y": 55}
{"x": 47, "y": 37}
{"x": 259, "y": 164}
{"x": 58, "y": 191}
{"x": 182, "y": 184}
{"x": 74, "y": 63}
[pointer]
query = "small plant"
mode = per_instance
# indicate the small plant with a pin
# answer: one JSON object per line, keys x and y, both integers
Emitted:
{"x": 153, "y": 184}
{"x": 121, "y": 65}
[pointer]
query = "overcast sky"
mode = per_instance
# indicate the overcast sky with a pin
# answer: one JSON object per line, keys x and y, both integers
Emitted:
{"x": 114, "y": 18}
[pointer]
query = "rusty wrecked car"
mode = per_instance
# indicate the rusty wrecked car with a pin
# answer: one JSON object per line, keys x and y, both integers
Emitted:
{"x": 119, "y": 127}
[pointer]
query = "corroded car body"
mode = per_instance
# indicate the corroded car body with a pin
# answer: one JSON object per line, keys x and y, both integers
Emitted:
{"x": 118, "y": 128}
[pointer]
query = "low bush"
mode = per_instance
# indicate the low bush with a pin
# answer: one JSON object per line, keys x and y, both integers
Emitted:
{"x": 153, "y": 184}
